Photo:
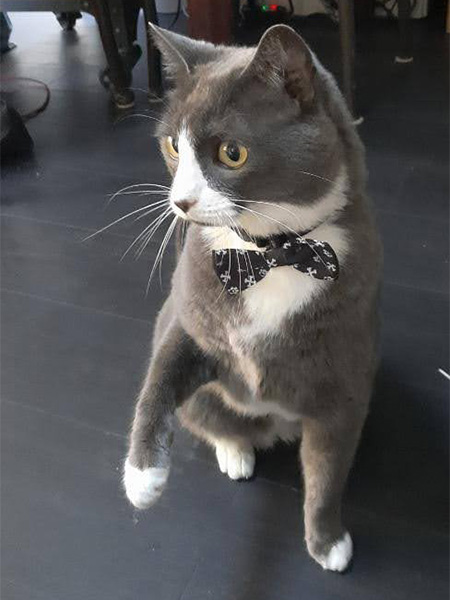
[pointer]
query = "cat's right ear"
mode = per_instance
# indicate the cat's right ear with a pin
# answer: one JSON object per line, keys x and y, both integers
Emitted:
{"x": 283, "y": 60}
{"x": 181, "y": 54}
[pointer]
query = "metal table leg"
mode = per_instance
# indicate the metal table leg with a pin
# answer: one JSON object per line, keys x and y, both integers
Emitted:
{"x": 404, "y": 17}
{"x": 347, "y": 39}
{"x": 119, "y": 77}
{"x": 153, "y": 55}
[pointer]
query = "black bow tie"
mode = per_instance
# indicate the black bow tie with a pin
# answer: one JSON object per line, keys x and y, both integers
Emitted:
{"x": 241, "y": 269}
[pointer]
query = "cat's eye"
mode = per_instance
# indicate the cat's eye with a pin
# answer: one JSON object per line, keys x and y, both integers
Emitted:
{"x": 172, "y": 146}
{"x": 233, "y": 154}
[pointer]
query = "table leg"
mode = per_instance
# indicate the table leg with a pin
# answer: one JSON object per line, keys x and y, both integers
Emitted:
{"x": 119, "y": 78}
{"x": 347, "y": 39}
{"x": 153, "y": 55}
{"x": 404, "y": 17}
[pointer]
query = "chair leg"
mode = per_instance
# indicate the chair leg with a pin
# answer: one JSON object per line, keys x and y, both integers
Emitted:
{"x": 404, "y": 18}
{"x": 119, "y": 78}
{"x": 153, "y": 55}
{"x": 347, "y": 39}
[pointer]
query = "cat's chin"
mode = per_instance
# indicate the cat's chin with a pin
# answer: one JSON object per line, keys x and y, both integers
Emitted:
{"x": 205, "y": 223}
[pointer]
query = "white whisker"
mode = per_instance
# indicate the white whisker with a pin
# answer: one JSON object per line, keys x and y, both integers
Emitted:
{"x": 145, "y": 242}
{"x": 165, "y": 244}
{"x": 161, "y": 250}
{"x": 277, "y": 206}
{"x": 130, "y": 187}
{"x": 143, "y": 116}
{"x": 144, "y": 231}
{"x": 127, "y": 216}
{"x": 316, "y": 176}
{"x": 160, "y": 205}
{"x": 289, "y": 229}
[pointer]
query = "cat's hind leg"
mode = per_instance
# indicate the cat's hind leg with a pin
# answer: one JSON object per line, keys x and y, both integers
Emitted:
{"x": 232, "y": 435}
{"x": 328, "y": 446}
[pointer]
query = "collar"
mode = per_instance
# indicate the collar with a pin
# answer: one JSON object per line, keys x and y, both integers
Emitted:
{"x": 272, "y": 241}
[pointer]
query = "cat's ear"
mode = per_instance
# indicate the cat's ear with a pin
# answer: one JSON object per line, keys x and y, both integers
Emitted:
{"x": 283, "y": 60}
{"x": 181, "y": 54}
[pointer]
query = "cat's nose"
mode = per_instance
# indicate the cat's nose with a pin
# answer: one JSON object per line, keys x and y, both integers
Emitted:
{"x": 186, "y": 205}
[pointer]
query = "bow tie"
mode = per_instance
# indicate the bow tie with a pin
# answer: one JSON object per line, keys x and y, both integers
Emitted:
{"x": 241, "y": 269}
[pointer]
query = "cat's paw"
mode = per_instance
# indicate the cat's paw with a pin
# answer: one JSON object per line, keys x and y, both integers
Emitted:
{"x": 235, "y": 461}
{"x": 144, "y": 487}
{"x": 338, "y": 557}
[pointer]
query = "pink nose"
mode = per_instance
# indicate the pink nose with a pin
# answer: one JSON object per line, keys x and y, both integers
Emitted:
{"x": 185, "y": 205}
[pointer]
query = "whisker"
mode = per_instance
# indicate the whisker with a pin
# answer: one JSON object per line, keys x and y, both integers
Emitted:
{"x": 289, "y": 229}
{"x": 229, "y": 266}
{"x": 144, "y": 193}
{"x": 160, "y": 205}
{"x": 145, "y": 242}
{"x": 150, "y": 95}
{"x": 316, "y": 176}
{"x": 143, "y": 116}
{"x": 240, "y": 280}
{"x": 277, "y": 206}
{"x": 129, "y": 187}
{"x": 127, "y": 216}
{"x": 165, "y": 244}
{"x": 248, "y": 261}
{"x": 158, "y": 185}
{"x": 184, "y": 228}
{"x": 143, "y": 233}
{"x": 161, "y": 250}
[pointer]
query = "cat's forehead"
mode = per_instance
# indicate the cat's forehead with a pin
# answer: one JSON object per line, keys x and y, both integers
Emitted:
{"x": 215, "y": 97}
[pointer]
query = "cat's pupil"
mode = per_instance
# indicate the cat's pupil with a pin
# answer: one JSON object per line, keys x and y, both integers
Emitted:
{"x": 233, "y": 151}
{"x": 175, "y": 144}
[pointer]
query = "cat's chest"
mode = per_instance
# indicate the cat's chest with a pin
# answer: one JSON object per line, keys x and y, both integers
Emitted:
{"x": 283, "y": 292}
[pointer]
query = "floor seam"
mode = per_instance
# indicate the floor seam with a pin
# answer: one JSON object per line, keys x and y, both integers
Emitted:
{"x": 68, "y": 226}
{"x": 80, "y": 307}
{"x": 71, "y": 420}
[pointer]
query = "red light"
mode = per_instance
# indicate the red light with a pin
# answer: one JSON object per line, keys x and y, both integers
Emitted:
{"x": 273, "y": 7}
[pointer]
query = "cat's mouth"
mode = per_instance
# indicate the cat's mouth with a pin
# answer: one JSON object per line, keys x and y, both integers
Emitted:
{"x": 189, "y": 211}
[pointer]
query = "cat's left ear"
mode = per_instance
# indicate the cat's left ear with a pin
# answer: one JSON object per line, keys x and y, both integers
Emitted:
{"x": 181, "y": 54}
{"x": 283, "y": 59}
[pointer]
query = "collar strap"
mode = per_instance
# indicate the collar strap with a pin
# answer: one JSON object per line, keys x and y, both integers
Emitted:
{"x": 272, "y": 241}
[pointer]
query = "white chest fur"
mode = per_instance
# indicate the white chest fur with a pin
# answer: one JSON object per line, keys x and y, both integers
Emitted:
{"x": 284, "y": 291}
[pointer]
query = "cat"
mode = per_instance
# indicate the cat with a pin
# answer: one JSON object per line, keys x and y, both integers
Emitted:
{"x": 263, "y": 155}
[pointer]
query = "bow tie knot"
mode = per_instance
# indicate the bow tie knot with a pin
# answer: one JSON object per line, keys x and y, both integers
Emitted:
{"x": 240, "y": 269}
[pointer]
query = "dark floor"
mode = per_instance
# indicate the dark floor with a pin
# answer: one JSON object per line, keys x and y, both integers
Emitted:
{"x": 76, "y": 331}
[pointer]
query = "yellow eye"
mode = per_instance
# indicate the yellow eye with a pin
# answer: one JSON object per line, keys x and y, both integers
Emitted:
{"x": 233, "y": 155}
{"x": 172, "y": 146}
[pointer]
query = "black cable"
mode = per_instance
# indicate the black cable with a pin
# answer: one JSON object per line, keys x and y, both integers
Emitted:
{"x": 39, "y": 109}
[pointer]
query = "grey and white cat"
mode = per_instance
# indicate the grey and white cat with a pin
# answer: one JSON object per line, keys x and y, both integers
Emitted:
{"x": 259, "y": 142}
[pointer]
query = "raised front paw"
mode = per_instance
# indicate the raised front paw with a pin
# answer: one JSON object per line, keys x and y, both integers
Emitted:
{"x": 335, "y": 556}
{"x": 144, "y": 487}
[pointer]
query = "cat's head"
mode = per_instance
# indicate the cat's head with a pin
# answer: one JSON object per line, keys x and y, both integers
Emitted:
{"x": 246, "y": 134}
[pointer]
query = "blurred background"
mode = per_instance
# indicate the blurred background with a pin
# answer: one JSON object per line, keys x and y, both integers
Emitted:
{"x": 81, "y": 88}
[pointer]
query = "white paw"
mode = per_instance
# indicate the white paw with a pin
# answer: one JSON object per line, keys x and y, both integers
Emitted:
{"x": 143, "y": 488}
{"x": 339, "y": 556}
{"x": 235, "y": 461}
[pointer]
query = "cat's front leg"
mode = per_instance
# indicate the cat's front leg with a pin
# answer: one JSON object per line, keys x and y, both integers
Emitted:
{"x": 327, "y": 450}
{"x": 177, "y": 368}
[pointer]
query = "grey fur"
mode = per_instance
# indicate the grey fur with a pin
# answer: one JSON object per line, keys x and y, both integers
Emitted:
{"x": 320, "y": 365}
